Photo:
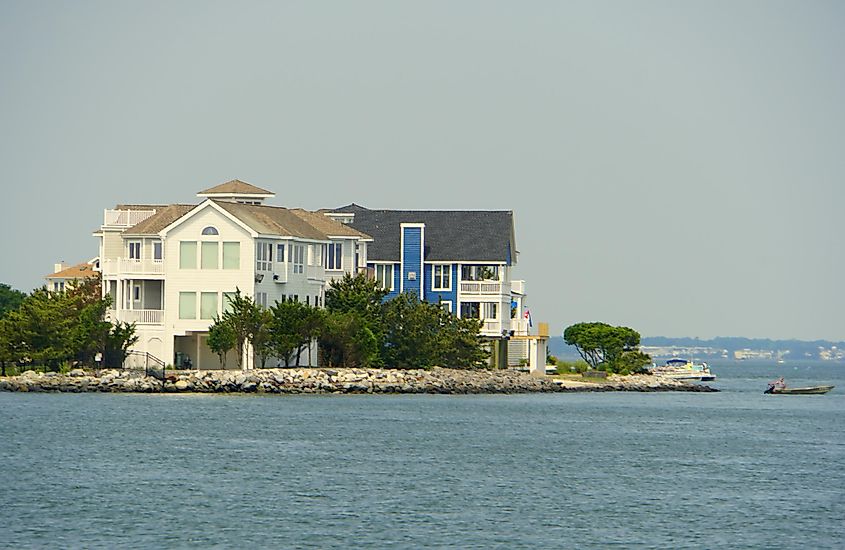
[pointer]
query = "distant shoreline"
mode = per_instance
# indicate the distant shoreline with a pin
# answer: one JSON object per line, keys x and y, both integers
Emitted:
{"x": 332, "y": 381}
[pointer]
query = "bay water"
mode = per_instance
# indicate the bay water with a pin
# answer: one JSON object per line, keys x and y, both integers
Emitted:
{"x": 735, "y": 469}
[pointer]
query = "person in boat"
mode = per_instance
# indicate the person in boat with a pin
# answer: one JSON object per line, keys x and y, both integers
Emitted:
{"x": 778, "y": 384}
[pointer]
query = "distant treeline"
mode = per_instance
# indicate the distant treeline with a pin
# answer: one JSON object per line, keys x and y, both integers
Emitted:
{"x": 796, "y": 348}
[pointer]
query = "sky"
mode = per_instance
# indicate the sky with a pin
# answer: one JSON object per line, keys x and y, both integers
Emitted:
{"x": 674, "y": 167}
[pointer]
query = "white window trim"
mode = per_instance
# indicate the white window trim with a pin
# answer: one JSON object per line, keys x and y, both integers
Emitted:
{"x": 392, "y": 267}
{"x": 434, "y": 278}
{"x": 445, "y": 302}
{"x": 140, "y": 250}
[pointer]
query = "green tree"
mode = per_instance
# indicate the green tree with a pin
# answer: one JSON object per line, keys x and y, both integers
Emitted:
{"x": 244, "y": 319}
{"x": 347, "y": 341}
{"x": 293, "y": 326}
{"x": 262, "y": 337}
{"x": 221, "y": 339}
{"x": 119, "y": 338}
{"x": 604, "y": 346}
{"x": 10, "y": 299}
{"x": 421, "y": 335}
{"x": 363, "y": 296}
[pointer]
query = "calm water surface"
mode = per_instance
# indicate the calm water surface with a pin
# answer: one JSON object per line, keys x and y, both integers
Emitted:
{"x": 728, "y": 470}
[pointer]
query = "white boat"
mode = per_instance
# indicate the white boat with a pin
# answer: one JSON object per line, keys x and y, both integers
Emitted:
{"x": 682, "y": 369}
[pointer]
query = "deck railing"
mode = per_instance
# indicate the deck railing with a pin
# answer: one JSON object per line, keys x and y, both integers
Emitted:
{"x": 481, "y": 287}
{"x": 137, "y": 316}
{"x": 125, "y": 218}
{"x": 138, "y": 267}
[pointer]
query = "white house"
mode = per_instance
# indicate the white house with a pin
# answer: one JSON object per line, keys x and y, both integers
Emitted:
{"x": 169, "y": 268}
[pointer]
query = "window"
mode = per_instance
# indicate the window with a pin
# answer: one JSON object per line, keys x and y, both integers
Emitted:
{"x": 308, "y": 300}
{"x": 209, "y": 255}
{"x": 470, "y": 310}
{"x": 208, "y": 305}
{"x": 298, "y": 257}
{"x": 187, "y": 305}
{"x": 135, "y": 250}
{"x": 263, "y": 256}
{"x": 210, "y": 231}
{"x": 280, "y": 253}
{"x": 157, "y": 251}
{"x": 441, "y": 277}
{"x": 188, "y": 255}
{"x": 489, "y": 310}
{"x": 231, "y": 255}
{"x": 227, "y": 301}
{"x": 261, "y": 299}
{"x": 335, "y": 256}
{"x": 446, "y": 305}
{"x": 384, "y": 275}
{"x": 136, "y": 293}
{"x": 479, "y": 273}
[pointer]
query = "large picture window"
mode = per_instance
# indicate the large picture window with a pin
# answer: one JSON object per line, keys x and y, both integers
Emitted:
{"x": 208, "y": 305}
{"x": 384, "y": 275}
{"x": 441, "y": 277}
{"x": 187, "y": 305}
{"x": 231, "y": 255}
{"x": 188, "y": 255}
{"x": 335, "y": 256}
{"x": 209, "y": 255}
{"x": 470, "y": 310}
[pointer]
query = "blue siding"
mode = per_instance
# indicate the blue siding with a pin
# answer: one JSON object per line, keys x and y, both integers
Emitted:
{"x": 434, "y": 296}
{"x": 397, "y": 276}
{"x": 412, "y": 259}
{"x": 508, "y": 258}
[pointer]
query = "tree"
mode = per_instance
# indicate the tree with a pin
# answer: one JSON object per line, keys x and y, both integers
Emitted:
{"x": 604, "y": 346}
{"x": 292, "y": 326}
{"x": 348, "y": 341}
{"x": 363, "y": 296}
{"x": 120, "y": 337}
{"x": 261, "y": 336}
{"x": 421, "y": 335}
{"x": 244, "y": 319}
{"x": 221, "y": 339}
{"x": 10, "y": 299}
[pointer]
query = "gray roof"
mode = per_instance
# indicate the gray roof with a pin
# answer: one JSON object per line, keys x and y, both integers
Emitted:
{"x": 450, "y": 235}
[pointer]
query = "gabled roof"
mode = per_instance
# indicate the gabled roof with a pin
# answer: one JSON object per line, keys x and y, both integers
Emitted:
{"x": 236, "y": 187}
{"x": 264, "y": 220}
{"x": 329, "y": 226}
{"x": 450, "y": 235}
{"x": 164, "y": 216}
{"x": 271, "y": 220}
{"x": 78, "y": 271}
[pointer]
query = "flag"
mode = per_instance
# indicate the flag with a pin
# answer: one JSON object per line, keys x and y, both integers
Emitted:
{"x": 527, "y": 316}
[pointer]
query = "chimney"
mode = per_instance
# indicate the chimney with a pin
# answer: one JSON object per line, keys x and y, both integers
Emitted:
{"x": 59, "y": 266}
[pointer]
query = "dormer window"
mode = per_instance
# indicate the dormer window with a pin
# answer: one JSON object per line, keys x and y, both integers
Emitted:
{"x": 210, "y": 231}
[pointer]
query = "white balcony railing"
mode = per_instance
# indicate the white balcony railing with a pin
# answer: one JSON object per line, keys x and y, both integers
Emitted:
{"x": 136, "y": 267}
{"x": 125, "y": 218}
{"x": 481, "y": 287}
{"x": 137, "y": 316}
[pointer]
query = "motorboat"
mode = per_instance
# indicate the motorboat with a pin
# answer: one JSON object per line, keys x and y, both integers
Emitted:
{"x": 809, "y": 390}
{"x": 682, "y": 369}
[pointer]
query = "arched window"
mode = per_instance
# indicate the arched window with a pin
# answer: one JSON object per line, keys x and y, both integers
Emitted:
{"x": 210, "y": 231}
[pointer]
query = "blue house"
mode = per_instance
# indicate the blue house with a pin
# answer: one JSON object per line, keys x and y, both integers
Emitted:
{"x": 461, "y": 259}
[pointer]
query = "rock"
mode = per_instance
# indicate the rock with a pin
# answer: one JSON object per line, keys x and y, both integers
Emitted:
{"x": 76, "y": 373}
{"x": 181, "y": 385}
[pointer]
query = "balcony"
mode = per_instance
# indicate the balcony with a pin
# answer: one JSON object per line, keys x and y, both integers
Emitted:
{"x": 125, "y": 218}
{"x": 491, "y": 327}
{"x": 137, "y": 316}
{"x": 481, "y": 287}
{"x": 121, "y": 266}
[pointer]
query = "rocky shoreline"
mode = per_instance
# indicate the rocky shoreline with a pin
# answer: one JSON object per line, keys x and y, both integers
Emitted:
{"x": 331, "y": 381}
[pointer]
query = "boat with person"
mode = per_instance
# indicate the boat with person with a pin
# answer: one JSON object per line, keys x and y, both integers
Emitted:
{"x": 683, "y": 369}
{"x": 779, "y": 387}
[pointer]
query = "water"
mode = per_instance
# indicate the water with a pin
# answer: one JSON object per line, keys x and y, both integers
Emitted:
{"x": 670, "y": 470}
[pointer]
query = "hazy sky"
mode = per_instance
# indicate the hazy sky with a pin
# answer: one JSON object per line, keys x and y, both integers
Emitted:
{"x": 676, "y": 167}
